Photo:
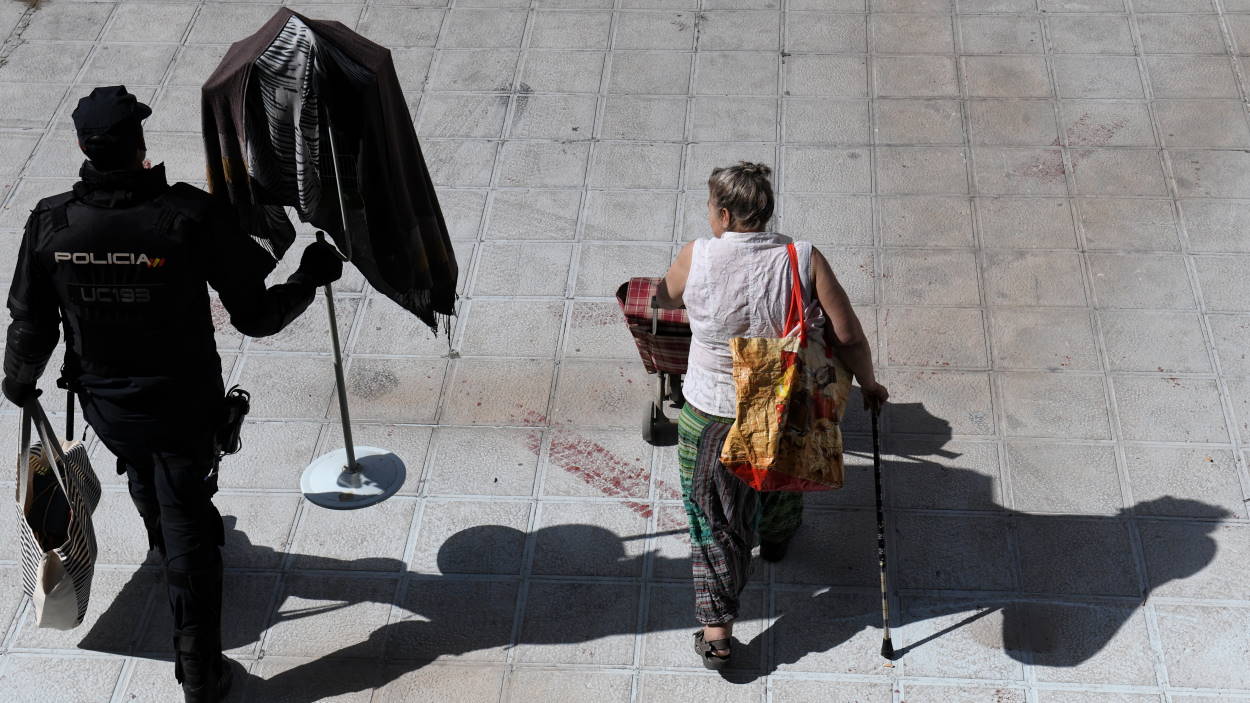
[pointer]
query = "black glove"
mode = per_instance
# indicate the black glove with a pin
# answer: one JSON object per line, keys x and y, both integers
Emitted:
{"x": 18, "y": 393}
{"x": 320, "y": 265}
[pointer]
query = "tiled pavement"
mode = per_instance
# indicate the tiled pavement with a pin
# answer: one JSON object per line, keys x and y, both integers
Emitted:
{"x": 1039, "y": 207}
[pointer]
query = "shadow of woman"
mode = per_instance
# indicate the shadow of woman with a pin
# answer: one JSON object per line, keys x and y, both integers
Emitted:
{"x": 1075, "y": 586}
{"x": 1048, "y": 589}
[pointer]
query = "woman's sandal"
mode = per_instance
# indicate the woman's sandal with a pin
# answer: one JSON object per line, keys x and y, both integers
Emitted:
{"x": 707, "y": 651}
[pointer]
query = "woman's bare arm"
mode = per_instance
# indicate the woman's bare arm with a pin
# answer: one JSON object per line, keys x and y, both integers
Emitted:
{"x": 673, "y": 285}
{"x": 844, "y": 332}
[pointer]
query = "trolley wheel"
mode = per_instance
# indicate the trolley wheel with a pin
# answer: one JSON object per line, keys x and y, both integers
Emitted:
{"x": 657, "y": 429}
{"x": 648, "y": 423}
{"x": 675, "y": 395}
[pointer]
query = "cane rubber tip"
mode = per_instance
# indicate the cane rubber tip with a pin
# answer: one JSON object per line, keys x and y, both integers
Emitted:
{"x": 887, "y": 649}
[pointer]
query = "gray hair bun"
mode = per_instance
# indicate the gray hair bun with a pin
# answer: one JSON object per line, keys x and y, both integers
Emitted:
{"x": 745, "y": 191}
{"x": 754, "y": 170}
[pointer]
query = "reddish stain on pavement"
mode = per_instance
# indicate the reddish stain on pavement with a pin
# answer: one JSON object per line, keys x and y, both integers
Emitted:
{"x": 596, "y": 315}
{"x": 601, "y": 468}
{"x": 220, "y": 316}
{"x": 1086, "y": 132}
{"x": 1048, "y": 168}
{"x": 670, "y": 519}
{"x": 530, "y": 417}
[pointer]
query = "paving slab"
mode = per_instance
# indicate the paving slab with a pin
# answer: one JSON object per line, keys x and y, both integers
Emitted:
{"x": 973, "y": 651}
{"x": 1064, "y": 478}
{"x": 450, "y": 683}
{"x": 31, "y": 678}
{"x": 534, "y": 684}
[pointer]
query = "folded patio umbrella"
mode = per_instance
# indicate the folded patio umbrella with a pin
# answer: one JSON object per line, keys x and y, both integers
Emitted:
{"x": 304, "y": 105}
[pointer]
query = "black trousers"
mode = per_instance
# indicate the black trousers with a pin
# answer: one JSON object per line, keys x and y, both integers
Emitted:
{"x": 172, "y": 482}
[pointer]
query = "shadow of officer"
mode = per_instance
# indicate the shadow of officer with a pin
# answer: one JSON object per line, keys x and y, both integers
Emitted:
{"x": 470, "y": 608}
{"x": 249, "y": 594}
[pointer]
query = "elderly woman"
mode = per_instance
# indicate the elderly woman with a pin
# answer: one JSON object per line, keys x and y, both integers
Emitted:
{"x": 736, "y": 283}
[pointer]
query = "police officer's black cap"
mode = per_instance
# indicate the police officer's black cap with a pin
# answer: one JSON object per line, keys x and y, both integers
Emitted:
{"x": 106, "y": 108}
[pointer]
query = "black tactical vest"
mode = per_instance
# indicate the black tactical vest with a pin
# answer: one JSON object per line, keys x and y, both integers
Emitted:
{"x": 133, "y": 295}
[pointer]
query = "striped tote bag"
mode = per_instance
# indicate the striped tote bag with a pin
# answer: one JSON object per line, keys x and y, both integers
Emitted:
{"x": 57, "y": 491}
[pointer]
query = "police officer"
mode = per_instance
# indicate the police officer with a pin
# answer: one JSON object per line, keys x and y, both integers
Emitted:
{"x": 121, "y": 263}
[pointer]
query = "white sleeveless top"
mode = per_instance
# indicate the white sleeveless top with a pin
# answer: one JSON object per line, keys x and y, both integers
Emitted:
{"x": 739, "y": 285}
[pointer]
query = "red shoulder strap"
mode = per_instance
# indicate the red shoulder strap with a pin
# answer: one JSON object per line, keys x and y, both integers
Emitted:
{"x": 795, "y": 312}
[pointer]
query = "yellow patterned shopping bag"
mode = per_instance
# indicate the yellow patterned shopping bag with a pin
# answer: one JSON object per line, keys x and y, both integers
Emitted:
{"x": 792, "y": 393}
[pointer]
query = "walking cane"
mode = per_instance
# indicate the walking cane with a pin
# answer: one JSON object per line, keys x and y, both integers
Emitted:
{"x": 887, "y": 647}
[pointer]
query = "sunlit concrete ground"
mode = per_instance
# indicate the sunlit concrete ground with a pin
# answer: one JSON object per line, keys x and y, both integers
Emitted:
{"x": 1039, "y": 207}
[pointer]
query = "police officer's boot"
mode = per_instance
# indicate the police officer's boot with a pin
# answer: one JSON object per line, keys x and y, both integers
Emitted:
{"x": 204, "y": 673}
{"x": 204, "y": 681}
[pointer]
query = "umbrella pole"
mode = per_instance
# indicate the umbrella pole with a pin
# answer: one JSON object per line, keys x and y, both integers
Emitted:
{"x": 351, "y": 477}
{"x": 353, "y": 466}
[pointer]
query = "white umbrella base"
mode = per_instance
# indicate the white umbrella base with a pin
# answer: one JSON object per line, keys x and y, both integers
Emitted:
{"x": 327, "y": 482}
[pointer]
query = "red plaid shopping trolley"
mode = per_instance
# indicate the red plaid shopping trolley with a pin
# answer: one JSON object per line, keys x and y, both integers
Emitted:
{"x": 663, "y": 339}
